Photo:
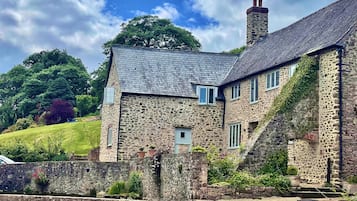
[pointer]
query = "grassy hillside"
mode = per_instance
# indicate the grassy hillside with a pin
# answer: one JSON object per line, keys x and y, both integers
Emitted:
{"x": 76, "y": 137}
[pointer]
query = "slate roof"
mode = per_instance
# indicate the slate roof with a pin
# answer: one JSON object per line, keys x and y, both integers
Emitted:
{"x": 168, "y": 72}
{"x": 322, "y": 29}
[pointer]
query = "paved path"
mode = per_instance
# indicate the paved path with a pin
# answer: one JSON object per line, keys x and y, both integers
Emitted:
{"x": 282, "y": 199}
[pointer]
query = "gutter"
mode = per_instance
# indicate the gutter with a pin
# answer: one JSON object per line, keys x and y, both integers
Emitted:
{"x": 340, "y": 94}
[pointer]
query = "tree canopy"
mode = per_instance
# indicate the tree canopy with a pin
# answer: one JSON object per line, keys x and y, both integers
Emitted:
{"x": 29, "y": 89}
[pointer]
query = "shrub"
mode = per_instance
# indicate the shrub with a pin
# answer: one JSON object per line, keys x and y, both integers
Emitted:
{"x": 118, "y": 188}
{"x": 135, "y": 184}
{"x": 292, "y": 170}
{"x": 242, "y": 180}
{"x": 279, "y": 182}
{"x": 60, "y": 112}
{"x": 352, "y": 179}
{"x": 23, "y": 123}
{"x": 276, "y": 163}
{"x": 199, "y": 149}
{"x": 220, "y": 170}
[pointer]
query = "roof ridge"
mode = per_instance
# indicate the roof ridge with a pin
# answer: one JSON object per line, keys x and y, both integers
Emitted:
{"x": 172, "y": 50}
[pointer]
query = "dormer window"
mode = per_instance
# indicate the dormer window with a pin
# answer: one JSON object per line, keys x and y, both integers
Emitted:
{"x": 206, "y": 95}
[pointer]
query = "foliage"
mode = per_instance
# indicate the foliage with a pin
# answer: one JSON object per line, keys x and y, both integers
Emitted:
{"x": 60, "y": 111}
{"x": 276, "y": 163}
{"x": 135, "y": 184}
{"x": 40, "y": 178}
{"x": 292, "y": 170}
{"x": 298, "y": 87}
{"x": 220, "y": 167}
{"x": 51, "y": 150}
{"x": 23, "y": 123}
{"x": 150, "y": 31}
{"x": 238, "y": 50}
{"x": 118, "y": 187}
{"x": 199, "y": 149}
{"x": 132, "y": 188}
{"x": 86, "y": 104}
{"x": 241, "y": 180}
{"x": 75, "y": 137}
{"x": 279, "y": 182}
{"x": 352, "y": 179}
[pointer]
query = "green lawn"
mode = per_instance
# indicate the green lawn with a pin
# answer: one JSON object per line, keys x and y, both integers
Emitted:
{"x": 76, "y": 137}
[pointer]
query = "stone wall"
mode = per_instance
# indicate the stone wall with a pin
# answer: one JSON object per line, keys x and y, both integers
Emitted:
{"x": 64, "y": 177}
{"x": 349, "y": 102}
{"x": 257, "y": 24}
{"x": 151, "y": 120}
{"x": 182, "y": 177}
{"x": 49, "y": 198}
{"x": 110, "y": 119}
{"x": 243, "y": 112}
{"x": 311, "y": 158}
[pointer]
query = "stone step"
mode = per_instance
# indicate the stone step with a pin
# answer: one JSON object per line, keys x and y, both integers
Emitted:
{"x": 316, "y": 194}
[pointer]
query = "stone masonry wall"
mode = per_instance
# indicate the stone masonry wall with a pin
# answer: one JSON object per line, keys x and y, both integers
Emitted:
{"x": 110, "y": 118}
{"x": 50, "y": 198}
{"x": 151, "y": 120}
{"x": 349, "y": 103}
{"x": 257, "y": 24}
{"x": 311, "y": 158}
{"x": 328, "y": 116}
{"x": 242, "y": 111}
{"x": 182, "y": 177}
{"x": 64, "y": 177}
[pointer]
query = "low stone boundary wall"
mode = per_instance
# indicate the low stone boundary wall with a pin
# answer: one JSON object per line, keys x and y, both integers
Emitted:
{"x": 181, "y": 176}
{"x": 6, "y": 197}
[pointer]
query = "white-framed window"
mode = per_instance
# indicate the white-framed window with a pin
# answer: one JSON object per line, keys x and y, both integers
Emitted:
{"x": 273, "y": 79}
{"x": 206, "y": 95}
{"x": 236, "y": 91}
{"x": 109, "y": 95}
{"x": 235, "y": 137}
{"x": 110, "y": 137}
{"x": 254, "y": 90}
{"x": 292, "y": 69}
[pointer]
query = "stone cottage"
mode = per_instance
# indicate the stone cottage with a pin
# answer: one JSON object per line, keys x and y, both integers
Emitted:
{"x": 175, "y": 100}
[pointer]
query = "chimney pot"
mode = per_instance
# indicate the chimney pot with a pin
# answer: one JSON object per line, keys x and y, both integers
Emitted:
{"x": 254, "y": 3}
{"x": 260, "y": 3}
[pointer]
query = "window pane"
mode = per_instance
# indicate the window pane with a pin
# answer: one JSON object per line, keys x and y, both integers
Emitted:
{"x": 277, "y": 78}
{"x": 273, "y": 79}
{"x": 256, "y": 89}
{"x": 238, "y": 90}
{"x": 109, "y": 137}
{"x": 252, "y": 90}
{"x": 233, "y": 92}
{"x": 203, "y": 98}
{"x": 211, "y": 96}
{"x": 109, "y": 95}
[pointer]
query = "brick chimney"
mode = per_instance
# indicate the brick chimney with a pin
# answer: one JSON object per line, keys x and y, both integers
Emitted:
{"x": 257, "y": 22}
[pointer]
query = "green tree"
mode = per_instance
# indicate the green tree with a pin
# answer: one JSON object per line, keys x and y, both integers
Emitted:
{"x": 86, "y": 104}
{"x": 238, "y": 50}
{"x": 45, "y": 59}
{"x": 58, "y": 89}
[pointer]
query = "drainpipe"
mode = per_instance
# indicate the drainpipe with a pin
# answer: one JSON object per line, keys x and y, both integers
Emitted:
{"x": 340, "y": 51}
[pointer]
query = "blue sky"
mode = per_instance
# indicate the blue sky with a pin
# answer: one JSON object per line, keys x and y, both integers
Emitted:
{"x": 81, "y": 26}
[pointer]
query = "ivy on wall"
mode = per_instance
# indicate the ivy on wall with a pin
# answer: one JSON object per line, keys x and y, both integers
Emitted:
{"x": 299, "y": 87}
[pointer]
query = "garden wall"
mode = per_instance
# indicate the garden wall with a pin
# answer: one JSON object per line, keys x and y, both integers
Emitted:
{"x": 181, "y": 176}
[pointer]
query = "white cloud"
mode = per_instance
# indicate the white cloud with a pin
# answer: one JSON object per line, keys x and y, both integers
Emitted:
{"x": 78, "y": 26}
{"x": 167, "y": 11}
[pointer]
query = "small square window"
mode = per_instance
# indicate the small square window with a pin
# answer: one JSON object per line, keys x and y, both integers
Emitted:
{"x": 236, "y": 91}
{"x": 182, "y": 134}
{"x": 206, "y": 95}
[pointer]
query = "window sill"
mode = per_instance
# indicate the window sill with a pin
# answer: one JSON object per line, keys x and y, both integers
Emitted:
{"x": 255, "y": 102}
{"x": 272, "y": 88}
{"x": 234, "y": 99}
{"x": 205, "y": 104}
{"x": 109, "y": 146}
{"x": 233, "y": 148}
